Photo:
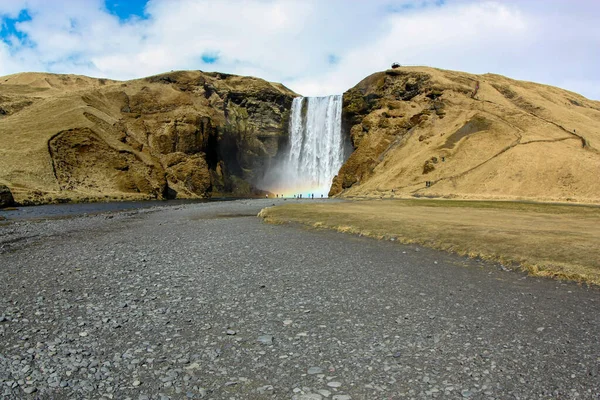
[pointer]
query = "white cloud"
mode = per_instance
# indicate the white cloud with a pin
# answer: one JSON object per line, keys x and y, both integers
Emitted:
{"x": 294, "y": 41}
{"x": 468, "y": 37}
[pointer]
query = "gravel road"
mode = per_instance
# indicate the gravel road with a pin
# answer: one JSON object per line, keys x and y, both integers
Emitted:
{"x": 206, "y": 301}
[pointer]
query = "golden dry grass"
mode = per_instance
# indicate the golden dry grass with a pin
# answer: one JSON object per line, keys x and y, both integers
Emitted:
{"x": 551, "y": 240}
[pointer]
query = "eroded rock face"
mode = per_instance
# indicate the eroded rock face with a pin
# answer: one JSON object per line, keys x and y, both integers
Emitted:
{"x": 190, "y": 176}
{"x": 220, "y": 128}
{"x": 377, "y": 111}
{"x": 81, "y": 159}
{"x": 6, "y": 197}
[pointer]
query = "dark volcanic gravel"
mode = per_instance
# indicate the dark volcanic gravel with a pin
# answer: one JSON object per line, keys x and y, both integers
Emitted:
{"x": 206, "y": 301}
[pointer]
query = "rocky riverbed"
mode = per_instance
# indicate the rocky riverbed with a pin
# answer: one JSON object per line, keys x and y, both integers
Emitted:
{"x": 205, "y": 301}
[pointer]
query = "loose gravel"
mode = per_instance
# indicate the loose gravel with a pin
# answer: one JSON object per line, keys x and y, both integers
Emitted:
{"x": 206, "y": 301}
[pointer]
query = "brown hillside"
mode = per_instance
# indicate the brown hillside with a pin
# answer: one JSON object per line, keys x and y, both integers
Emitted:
{"x": 470, "y": 136}
{"x": 181, "y": 134}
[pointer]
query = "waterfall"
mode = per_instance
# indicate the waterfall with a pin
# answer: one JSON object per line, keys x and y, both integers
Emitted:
{"x": 316, "y": 147}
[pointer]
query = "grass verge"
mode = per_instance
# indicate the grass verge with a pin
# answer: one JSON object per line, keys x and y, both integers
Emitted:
{"x": 550, "y": 240}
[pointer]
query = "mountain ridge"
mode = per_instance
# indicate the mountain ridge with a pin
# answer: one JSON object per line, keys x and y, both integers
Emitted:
{"x": 415, "y": 131}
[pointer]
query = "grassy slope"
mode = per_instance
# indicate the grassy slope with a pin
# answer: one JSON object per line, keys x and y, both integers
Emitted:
{"x": 544, "y": 239}
{"x": 57, "y": 104}
{"x": 530, "y": 147}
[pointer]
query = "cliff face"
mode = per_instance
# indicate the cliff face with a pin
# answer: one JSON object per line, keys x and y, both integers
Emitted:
{"x": 428, "y": 132}
{"x": 182, "y": 134}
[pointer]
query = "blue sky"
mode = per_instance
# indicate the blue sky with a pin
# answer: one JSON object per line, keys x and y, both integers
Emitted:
{"x": 8, "y": 29}
{"x": 315, "y": 47}
{"x": 125, "y": 9}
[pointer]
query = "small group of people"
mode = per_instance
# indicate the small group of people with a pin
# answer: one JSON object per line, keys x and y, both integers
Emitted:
{"x": 310, "y": 196}
{"x": 296, "y": 196}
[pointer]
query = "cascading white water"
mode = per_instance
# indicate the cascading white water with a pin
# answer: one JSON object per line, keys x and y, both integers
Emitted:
{"x": 316, "y": 148}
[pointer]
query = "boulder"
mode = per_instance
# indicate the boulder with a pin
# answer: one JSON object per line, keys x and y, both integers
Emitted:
{"x": 6, "y": 197}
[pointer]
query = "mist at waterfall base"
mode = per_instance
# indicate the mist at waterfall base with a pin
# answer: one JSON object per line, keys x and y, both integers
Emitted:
{"x": 315, "y": 152}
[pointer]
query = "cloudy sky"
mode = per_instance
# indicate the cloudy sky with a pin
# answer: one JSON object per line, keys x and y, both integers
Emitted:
{"x": 315, "y": 47}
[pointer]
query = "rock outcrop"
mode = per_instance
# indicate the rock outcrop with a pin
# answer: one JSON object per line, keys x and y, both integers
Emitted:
{"x": 186, "y": 134}
{"x": 426, "y": 132}
{"x": 6, "y": 197}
